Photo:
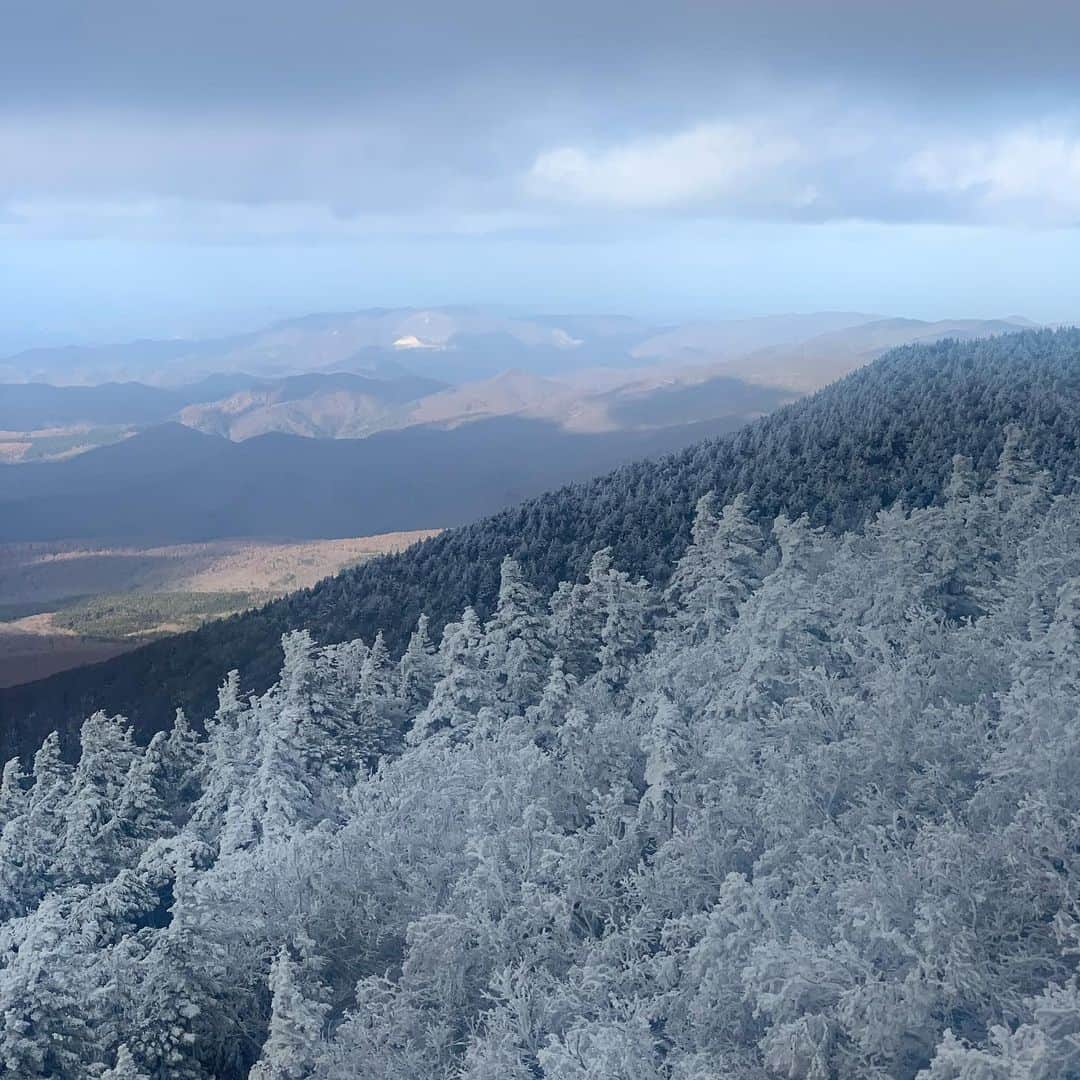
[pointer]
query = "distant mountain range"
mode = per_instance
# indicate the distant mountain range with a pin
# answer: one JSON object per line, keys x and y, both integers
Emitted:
{"x": 350, "y": 376}
{"x": 459, "y": 345}
{"x": 265, "y": 440}
{"x": 452, "y": 344}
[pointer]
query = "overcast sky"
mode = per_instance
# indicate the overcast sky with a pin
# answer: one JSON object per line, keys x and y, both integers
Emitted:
{"x": 172, "y": 167}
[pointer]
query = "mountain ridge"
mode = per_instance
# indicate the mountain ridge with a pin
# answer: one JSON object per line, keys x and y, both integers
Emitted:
{"x": 886, "y": 432}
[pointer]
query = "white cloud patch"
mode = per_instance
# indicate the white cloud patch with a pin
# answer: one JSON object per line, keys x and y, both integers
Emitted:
{"x": 826, "y": 165}
{"x": 1029, "y": 175}
{"x": 708, "y": 164}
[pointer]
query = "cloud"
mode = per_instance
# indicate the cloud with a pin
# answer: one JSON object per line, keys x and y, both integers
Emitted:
{"x": 340, "y": 118}
{"x": 129, "y": 175}
{"x": 238, "y": 178}
{"x": 1030, "y": 175}
{"x": 718, "y": 163}
{"x": 826, "y": 165}
{"x": 324, "y": 55}
{"x": 126, "y": 155}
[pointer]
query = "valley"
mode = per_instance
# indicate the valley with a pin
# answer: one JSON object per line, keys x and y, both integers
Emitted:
{"x": 127, "y": 472}
{"x": 64, "y": 605}
{"x": 886, "y": 433}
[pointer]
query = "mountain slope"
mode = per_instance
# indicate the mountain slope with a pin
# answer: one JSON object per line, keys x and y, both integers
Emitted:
{"x": 806, "y": 365}
{"x": 737, "y": 336}
{"x": 173, "y": 484}
{"x": 886, "y": 432}
{"x": 811, "y": 812}
{"x": 510, "y": 393}
{"x": 325, "y": 406}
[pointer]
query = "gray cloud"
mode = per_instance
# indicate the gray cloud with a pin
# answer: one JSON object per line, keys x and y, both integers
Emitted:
{"x": 250, "y": 53}
{"x": 339, "y": 118}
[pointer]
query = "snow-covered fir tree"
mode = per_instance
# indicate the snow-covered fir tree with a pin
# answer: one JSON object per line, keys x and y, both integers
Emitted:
{"x": 810, "y": 811}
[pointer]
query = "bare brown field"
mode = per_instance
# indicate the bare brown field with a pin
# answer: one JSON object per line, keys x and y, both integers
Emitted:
{"x": 54, "y": 573}
{"x": 33, "y": 649}
{"x": 44, "y": 586}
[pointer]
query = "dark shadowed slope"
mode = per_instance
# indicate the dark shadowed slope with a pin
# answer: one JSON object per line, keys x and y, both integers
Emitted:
{"x": 173, "y": 484}
{"x": 888, "y": 431}
{"x": 27, "y": 406}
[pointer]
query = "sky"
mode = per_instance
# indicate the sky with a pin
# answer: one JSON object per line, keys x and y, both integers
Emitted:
{"x": 183, "y": 168}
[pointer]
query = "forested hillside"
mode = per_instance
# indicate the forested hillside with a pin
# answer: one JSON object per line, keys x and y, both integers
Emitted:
{"x": 811, "y": 810}
{"x": 884, "y": 433}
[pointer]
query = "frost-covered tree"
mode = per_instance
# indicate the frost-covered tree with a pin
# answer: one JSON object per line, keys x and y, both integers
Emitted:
{"x": 578, "y": 615}
{"x": 124, "y": 1068}
{"x": 30, "y": 842}
{"x": 378, "y": 710}
{"x": 1021, "y": 489}
{"x": 516, "y": 648}
{"x": 668, "y": 764}
{"x": 418, "y": 669}
{"x": 44, "y": 994}
{"x": 280, "y": 794}
{"x": 86, "y": 851}
{"x": 141, "y": 812}
{"x": 555, "y": 704}
{"x": 720, "y": 569}
{"x": 466, "y": 685}
{"x": 296, "y": 1022}
{"x": 12, "y": 793}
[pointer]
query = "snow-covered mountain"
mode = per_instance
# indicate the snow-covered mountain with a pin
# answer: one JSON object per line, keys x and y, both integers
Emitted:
{"x": 809, "y": 810}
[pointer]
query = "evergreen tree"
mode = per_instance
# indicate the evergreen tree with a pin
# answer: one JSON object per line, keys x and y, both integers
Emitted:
{"x": 228, "y": 760}
{"x": 667, "y": 746}
{"x": 178, "y": 1010}
{"x": 12, "y": 793}
{"x": 629, "y": 608}
{"x": 464, "y": 688}
{"x": 140, "y": 812}
{"x": 377, "y": 709}
{"x": 516, "y": 647}
{"x": 722, "y": 567}
{"x": 296, "y": 1022}
{"x": 556, "y": 701}
{"x": 1021, "y": 489}
{"x": 107, "y": 754}
{"x": 43, "y": 997}
{"x": 181, "y": 756}
{"x": 124, "y": 1068}
{"x": 579, "y": 614}
{"x": 418, "y": 669}
{"x": 970, "y": 564}
{"x": 31, "y": 841}
{"x": 281, "y": 793}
